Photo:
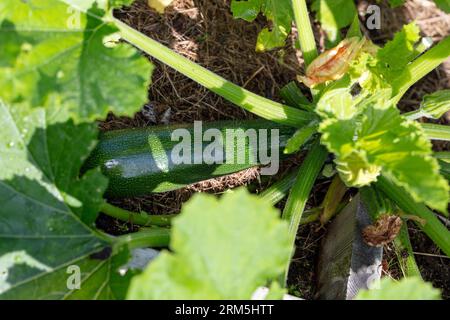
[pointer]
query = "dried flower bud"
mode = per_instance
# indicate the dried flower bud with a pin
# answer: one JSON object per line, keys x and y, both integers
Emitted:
{"x": 332, "y": 64}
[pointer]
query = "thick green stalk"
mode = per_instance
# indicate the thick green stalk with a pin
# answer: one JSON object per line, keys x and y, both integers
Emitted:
{"x": 333, "y": 199}
{"x": 420, "y": 67}
{"x": 436, "y": 131}
{"x": 443, "y": 155}
{"x": 280, "y": 189}
{"x": 139, "y": 219}
{"x": 305, "y": 32}
{"x": 444, "y": 168}
{"x": 306, "y": 38}
{"x": 433, "y": 227}
{"x": 405, "y": 254}
{"x": 250, "y": 101}
{"x": 150, "y": 238}
{"x": 414, "y": 115}
{"x": 311, "y": 215}
{"x": 295, "y": 205}
{"x": 294, "y": 97}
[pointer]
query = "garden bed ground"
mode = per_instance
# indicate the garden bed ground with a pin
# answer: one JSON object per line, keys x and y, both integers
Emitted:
{"x": 205, "y": 31}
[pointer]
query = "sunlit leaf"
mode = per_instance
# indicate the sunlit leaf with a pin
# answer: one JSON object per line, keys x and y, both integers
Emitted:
{"x": 222, "y": 249}
{"x": 371, "y": 137}
{"x": 47, "y": 212}
{"x": 64, "y": 58}
{"x": 278, "y": 12}
{"x": 411, "y": 288}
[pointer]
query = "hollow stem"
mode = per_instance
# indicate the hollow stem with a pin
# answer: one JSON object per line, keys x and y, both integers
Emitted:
{"x": 280, "y": 189}
{"x": 247, "y": 100}
{"x": 420, "y": 67}
{"x": 443, "y": 155}
{"x": 305, "y": 32}
{"x": 436, "y": 131}
{"x": 143, "y": 219}
{"x": 405, "y": 255}
{"x": 414, "y": 115}
{"x": 295, "y": 205}
{"x": 150, "y": 238}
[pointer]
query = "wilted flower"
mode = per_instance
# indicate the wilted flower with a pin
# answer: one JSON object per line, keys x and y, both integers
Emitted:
{"x": 332, "y": 64}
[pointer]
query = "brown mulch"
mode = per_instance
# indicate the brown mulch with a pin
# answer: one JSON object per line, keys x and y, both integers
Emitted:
{"x": 205, "y": 32}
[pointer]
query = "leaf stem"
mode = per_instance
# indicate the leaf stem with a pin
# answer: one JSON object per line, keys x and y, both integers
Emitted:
{"x": 143, "y": 219}
{"x": 414, "y": 115}
{"x": 442, "y": 155}
{"x": 247, "y": 100}
{"x": 305, "y": 32}
{"x": 279, "y": 190}
{"x": 402, "y": 245}
{"x": 433, "y": 227}
{"x": 436, "y": 131}
{"x": 333, "y": 198}
{"x": 421, "y": 67}
{"x": 295, "y": 205}
{"x": 150, "y": 238}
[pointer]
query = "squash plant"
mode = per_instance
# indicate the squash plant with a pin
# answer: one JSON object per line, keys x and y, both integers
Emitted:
{"x": 62, "y": 66}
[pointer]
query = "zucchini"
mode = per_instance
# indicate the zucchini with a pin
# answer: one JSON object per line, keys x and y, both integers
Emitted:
{"x": 137, "y": 161}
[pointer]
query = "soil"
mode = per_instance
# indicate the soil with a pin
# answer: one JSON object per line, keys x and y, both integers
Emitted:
{"x": 205, "y": 32}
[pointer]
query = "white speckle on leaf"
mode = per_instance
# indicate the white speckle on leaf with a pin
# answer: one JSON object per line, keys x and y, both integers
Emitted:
{"x": 111, "y": 163}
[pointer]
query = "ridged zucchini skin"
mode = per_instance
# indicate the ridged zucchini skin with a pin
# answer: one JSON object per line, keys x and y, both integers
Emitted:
{"x": 132, "y": 158}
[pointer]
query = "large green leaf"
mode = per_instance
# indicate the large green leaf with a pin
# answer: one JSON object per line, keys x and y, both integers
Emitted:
{"x": 223, "y": 249}
{"x": 398, "y": 53}
{"x": 443, "y": 5}
{"x": 379, "y": 68}
{"x": 371, "y": 137}
{"x": 279, "y": 12}
{"x": 64, "y": 56}
{"x": 334, "y": 15}
{"x": 47, "y": 211}
{"x": 411, "y": 288}
{"x": 366, "y": 132}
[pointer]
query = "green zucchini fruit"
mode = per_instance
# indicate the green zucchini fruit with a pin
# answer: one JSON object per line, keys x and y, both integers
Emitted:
{"x": 138, "y": 161}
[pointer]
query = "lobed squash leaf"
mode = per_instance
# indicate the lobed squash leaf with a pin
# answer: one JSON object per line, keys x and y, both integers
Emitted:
{"x": 47, "y": 212}
{"x": 411, "y": 288}
{"x": 397, "y": 53}
{"x": 64, "y": 56}
{"x": 370, "y": 137}
{"x": 278, "y": 12}
{"x": 378, "y": 68}
{"x": 222, "y": 249}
